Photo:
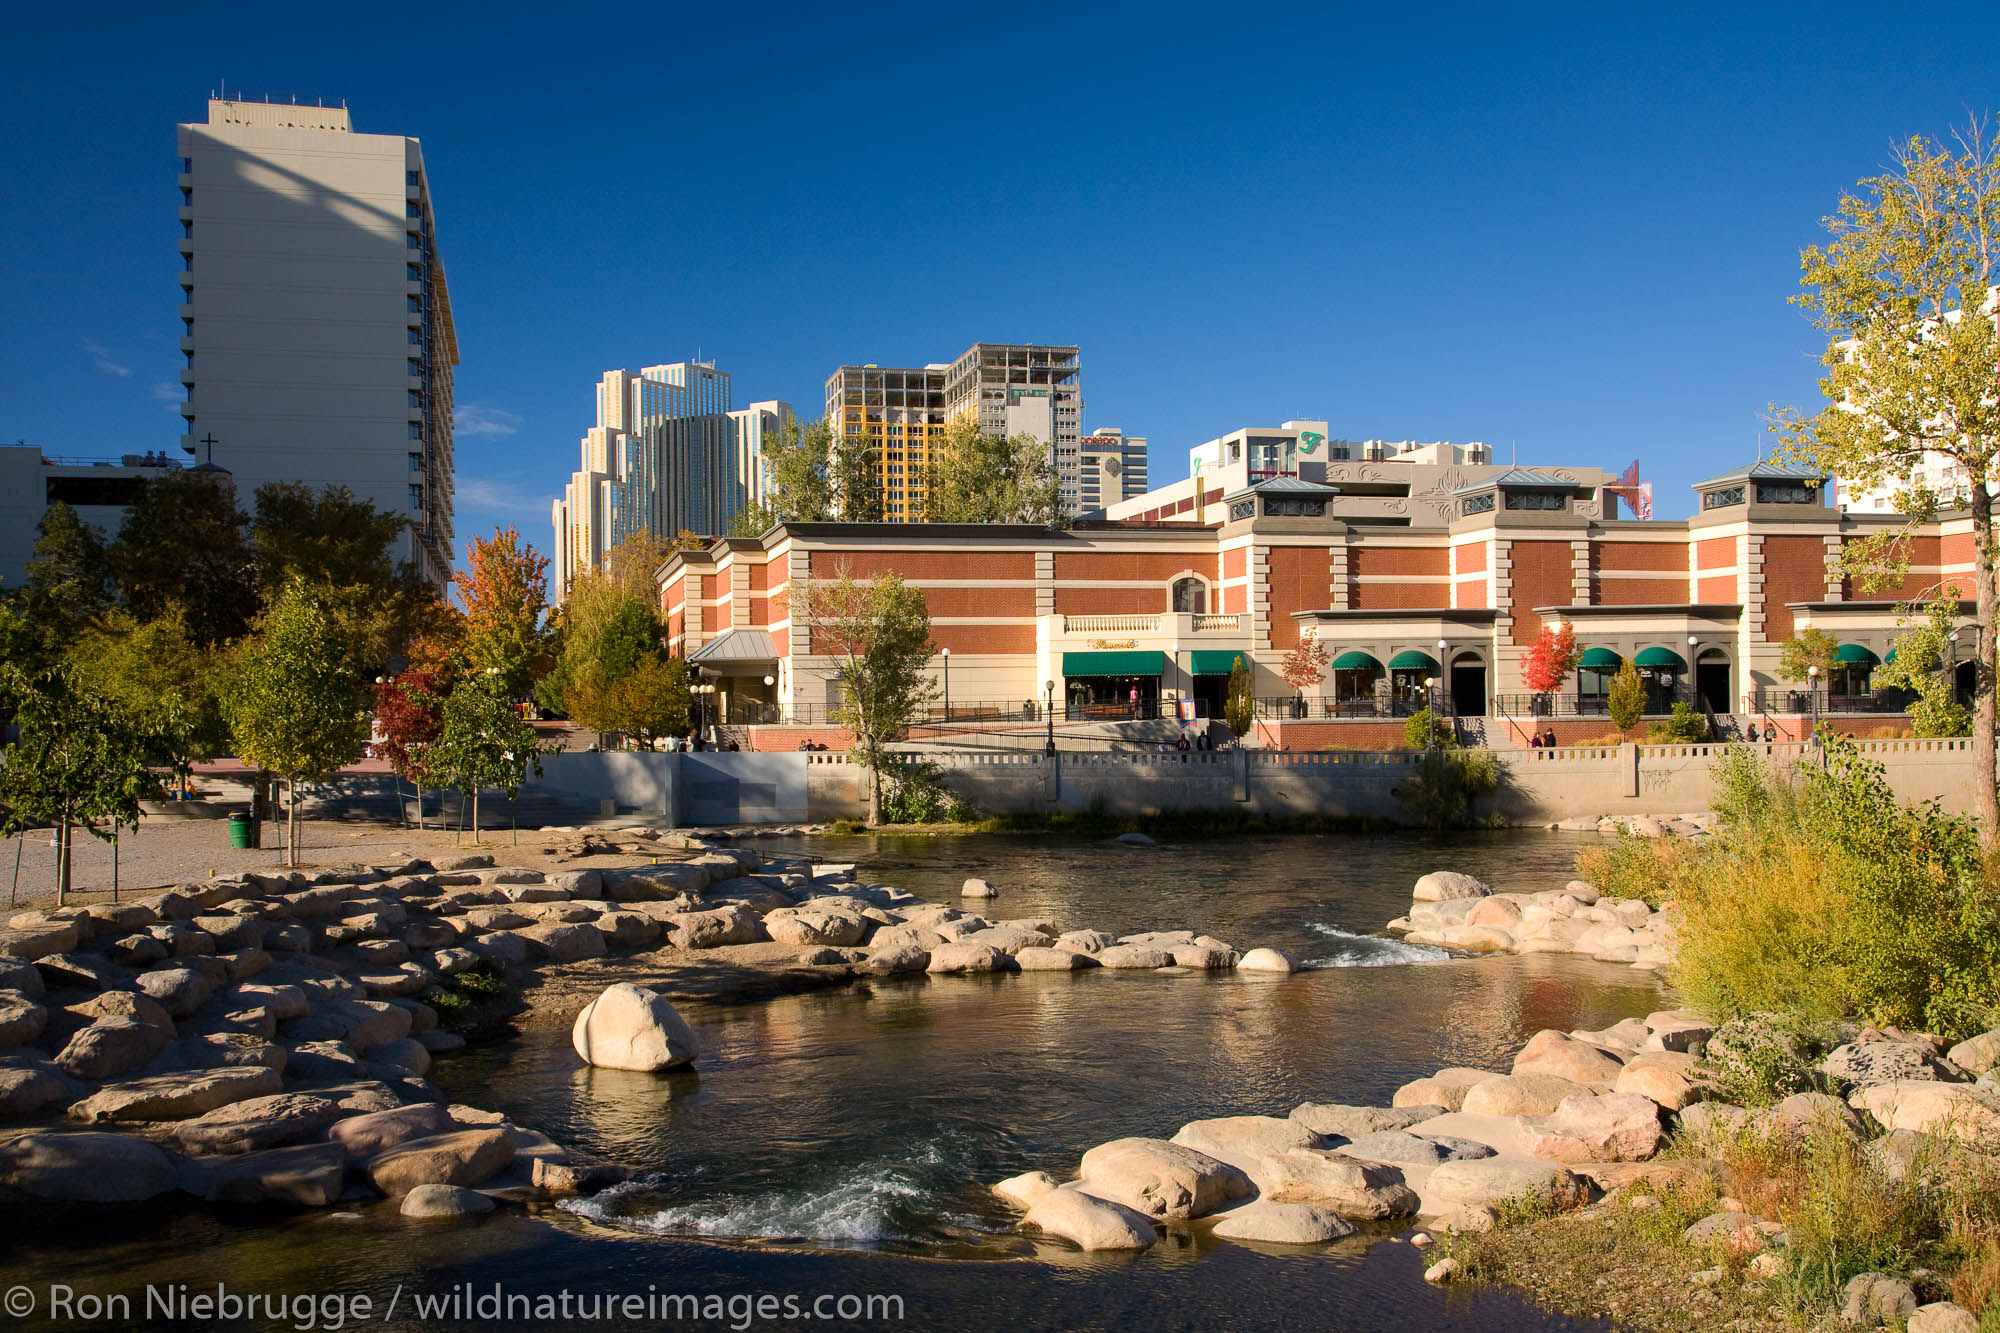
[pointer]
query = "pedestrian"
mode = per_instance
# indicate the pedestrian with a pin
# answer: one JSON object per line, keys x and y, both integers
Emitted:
{"x": 1753, "y": 733}
{"x": 1135, "y": 701}
{"x": 1535, "y": 741}
{"x": 1182, "y": 743}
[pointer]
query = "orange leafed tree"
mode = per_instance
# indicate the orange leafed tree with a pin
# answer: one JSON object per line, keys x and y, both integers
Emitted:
{"x": 1550, "y": 659}
{"x": 504, "y": 590}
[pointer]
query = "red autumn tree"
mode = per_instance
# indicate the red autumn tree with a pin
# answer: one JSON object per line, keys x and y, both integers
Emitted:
{"x": 1305, "y": 665}
{"x": 504, "y": 590}
{"x": 1551, "y": 658}
{"x": 409, "y": 709}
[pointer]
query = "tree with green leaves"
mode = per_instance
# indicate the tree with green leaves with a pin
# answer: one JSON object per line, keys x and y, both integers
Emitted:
{"x": 817, "y": 475}
{"x": 162, "y": 676}
{"x": 1924, "y": 663}
{"x": 79, "y": 761}
{"x": 1806, "y": 653}
{"x": 296, "y": 709}
{"x": 878, "y": 634}
{"x": 344, "y": 546}
{"x": 975, "y": 477}
{"x": 1625, "y": 701}
{"x": 483, "y": 742}
{"x": 1904, "y": 291}
{"x": 1239, "y": 702}
{"x": 504, "y": 589}
{"x": 409, "y": 708}
{"x": 184, "y": 541}
{"x": 68, "y": 583}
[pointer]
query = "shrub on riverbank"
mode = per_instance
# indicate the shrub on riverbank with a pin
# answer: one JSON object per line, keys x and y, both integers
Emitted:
{"x": 1649, "y": 869}
{"x": 1823, "y": 896}
{"x": 1440, "y": 791}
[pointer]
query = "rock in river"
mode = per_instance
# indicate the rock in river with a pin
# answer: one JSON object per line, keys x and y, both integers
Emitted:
{"x": 1092, "y": 1223}
{"x": 628, "y": 1027}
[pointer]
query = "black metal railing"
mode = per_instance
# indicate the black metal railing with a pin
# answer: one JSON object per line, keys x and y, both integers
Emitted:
{"x": 1787, "y": 699}
{"x": 1358, "y": 706}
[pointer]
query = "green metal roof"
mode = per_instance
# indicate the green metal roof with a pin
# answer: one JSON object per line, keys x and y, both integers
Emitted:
{"x": 1355, "y": 660}
{"x": 1660, "y": 657}
{"x": 1127, "y": 663}
{"x": 1853, "y": 654}
{"x": 1412, "y": 660}
{"x": 1600, "y": 659}
{"x": 1214, "y": 661}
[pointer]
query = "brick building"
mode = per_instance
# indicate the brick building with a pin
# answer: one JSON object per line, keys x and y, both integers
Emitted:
{"x": 1425, "y": 582}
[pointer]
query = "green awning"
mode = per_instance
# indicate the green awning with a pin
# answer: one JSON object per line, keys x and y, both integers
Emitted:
{"x": 1412, "y": 660}
{"x": 1660, "y": 657}
{"x": 1355, "y": 660}
{"x": 1128, "y": 663}
{"x": 1600, "y": 659}
{"x": 1853, "y": 654}
{"x": 1890, "y": 658}
{"x": 1214, "y": 662}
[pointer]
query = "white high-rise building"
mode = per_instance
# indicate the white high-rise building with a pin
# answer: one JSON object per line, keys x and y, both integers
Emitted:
{"x": 318, "y": 328}
{"x": 1114, "y": 468}
{"x": 667, "y": 455}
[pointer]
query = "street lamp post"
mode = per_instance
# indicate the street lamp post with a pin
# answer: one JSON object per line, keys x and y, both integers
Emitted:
{"x": 1431, "y": 709}
{"x": 1049, "y": 707}
{"x": 1694, "y": 651}
{"x": 947, "y": 683}
{"x": 1444, "y": 669}
{"x": 1812, "y": 689}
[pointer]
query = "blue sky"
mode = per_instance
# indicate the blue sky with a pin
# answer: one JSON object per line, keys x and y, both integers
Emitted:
{"x": 1568, "y": 233}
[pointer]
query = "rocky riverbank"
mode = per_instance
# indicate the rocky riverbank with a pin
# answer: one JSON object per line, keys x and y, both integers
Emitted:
{"x": 265, "y": 1037}
{"x": 1455, "y": 911}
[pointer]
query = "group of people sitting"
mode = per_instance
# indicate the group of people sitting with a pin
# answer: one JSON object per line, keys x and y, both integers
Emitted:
{"x": 811, "y": 746}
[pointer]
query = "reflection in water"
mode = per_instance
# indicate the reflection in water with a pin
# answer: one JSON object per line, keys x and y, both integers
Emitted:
{"x": 849, "y": 1136}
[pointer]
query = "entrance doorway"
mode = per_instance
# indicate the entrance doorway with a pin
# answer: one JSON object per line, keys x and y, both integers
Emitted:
{"x": 1468, "y": 685}
{"x": 1209, "y": 694}
{"x": 1712, "y": 683}
{"x": 1113, "y": 697}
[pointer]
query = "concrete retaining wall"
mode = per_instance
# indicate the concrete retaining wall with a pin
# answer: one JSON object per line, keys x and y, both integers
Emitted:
{"x": 1538, "y": 786}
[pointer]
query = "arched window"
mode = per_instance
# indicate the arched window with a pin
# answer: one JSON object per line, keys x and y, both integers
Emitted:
{"x": 1190, "y": 594}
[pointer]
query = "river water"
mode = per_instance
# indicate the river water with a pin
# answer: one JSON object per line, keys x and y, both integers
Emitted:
{"x": 840, "y": 1142}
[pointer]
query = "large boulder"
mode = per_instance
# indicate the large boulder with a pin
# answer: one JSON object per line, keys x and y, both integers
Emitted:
{"x": 1519, "y": 1094}
{"x": 1277, "y": 1223}
{"x": 1034, "y": 959}
{"x": 179, "y": 990}
{"x": 368, "y": 1136}
{"x": 1942, "y": 1317}
{"x": 21, "y": 1019}
{"x": 1267, "y": 960}
{"x": 306, "y": 1175}
{"x": 86, "y": 1168}
{"x": 1334, "y": 1120}
{"x": 111, "y": 1047}
{"x": 1161, "y": 1179}
{"x": 1350, "y": 1187}
{"x": 1447, "y": 885}
{"x": 29, "y": 1088}
{"x": 1966, "y": 1112}
{"x": 716, "y": 927}
{"x": 628, "y": 1027}
{"x": 1975, "y": 1055}
{"x": 1665, "y": 1077}
{"x": 1495, "y": 1180}
{"x": 1561, "y": 1055}
{"x": 467, "y": 1157}
{"x": 1804, "y": 1115}
{"x": 958, "y": 956}
{"x": 256, "y": 1124}
{"x": 1446, "y": 1088}
{"x": 564, "y": 942}
{"x": 1863, "y": 1064}
{"x": 444, "y": 1201}
{"x": 1400, "y": 1147}
{"x": 1088, "y": 1222}
{"x": 1134, "y": 957}
{"x": 809, "y": 926}
{"x": 1616, "y": 1127}
{"x": 1244, "y": 1141}
{"x": 177, "y": 1096}
{"x": 1026, "y": 1189}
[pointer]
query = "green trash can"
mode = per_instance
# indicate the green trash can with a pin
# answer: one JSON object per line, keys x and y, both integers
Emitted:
{"x": 242, "y": 832}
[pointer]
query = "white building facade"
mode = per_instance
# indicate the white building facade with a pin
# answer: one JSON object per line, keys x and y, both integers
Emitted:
{"x": 1113, "y": 468}
{"x": 317, "y": 324}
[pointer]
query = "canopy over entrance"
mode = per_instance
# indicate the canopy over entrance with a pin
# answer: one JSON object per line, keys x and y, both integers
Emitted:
{"x": 1214, "y": 662}
{"x": 1412, "y": 660}
{"x": 1600, "y": 659}
{"x": 1355, "y": 660}
{"x": 1660, "y": 657}
{"x": 1853, "y": 654}
{"x": 1127, "y": 663}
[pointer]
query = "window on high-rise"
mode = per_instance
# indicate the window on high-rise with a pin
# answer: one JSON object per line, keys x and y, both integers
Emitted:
{"x": 413, "y": 177}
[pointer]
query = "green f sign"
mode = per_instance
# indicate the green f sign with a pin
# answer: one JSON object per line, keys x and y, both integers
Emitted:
{"x": 1310, "y": 440}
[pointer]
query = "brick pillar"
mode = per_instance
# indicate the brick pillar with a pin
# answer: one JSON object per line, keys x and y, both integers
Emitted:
{"x": 739, "y": 595}
{"x": 1339, "y": 571}
{"x": 1506, "y": 657}
{"x": 1045, "y": 583}
{"x": 1579, "y": 574}
{"x": 797, "y": 577}
{"x": 1833, "y": 570}
{"x": 1260, "y": 596}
